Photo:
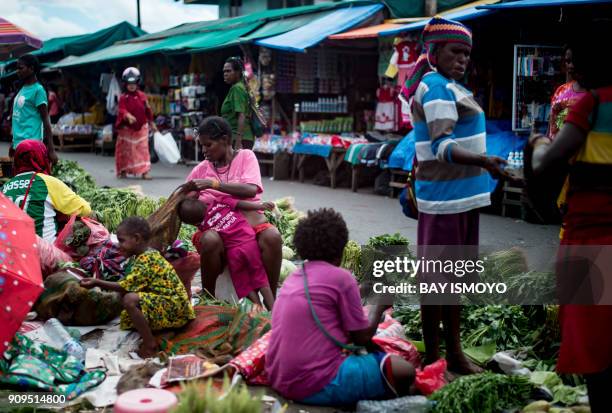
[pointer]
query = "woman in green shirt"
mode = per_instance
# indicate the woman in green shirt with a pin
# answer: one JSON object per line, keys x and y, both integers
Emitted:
{"x": 236, "y": 108}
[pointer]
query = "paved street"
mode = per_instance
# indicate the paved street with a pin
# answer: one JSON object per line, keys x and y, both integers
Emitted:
{"x": 366, "y": 214}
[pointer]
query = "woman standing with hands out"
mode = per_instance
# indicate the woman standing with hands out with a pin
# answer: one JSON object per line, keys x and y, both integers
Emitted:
{"x": 236, "y": 107}
{"x": 451, "y": 181}
{"x": 133, "y": 119}
{"x": 584, "y": 142}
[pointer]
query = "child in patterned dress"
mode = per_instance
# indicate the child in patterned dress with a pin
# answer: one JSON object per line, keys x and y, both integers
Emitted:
{"x": 242, "y": 252}
{"x": 154, "y": 297}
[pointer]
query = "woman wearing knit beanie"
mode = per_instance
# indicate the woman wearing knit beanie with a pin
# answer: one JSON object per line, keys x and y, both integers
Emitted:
{"x": 451, "y": 177}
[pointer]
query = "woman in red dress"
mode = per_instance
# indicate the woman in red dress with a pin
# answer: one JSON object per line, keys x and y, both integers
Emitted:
{"x": 133, "y": 119}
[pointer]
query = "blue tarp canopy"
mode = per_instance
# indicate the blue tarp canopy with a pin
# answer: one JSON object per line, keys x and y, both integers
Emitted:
{"x": 300, "y": 39}
{"x": 521, "y": 4}
{"x": 461, "y": 15}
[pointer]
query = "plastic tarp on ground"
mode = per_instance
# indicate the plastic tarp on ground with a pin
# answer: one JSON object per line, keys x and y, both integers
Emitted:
{"x": 300, "y": 39}
{"x": 461, "y": 15}
{"x": 521, "y": 4}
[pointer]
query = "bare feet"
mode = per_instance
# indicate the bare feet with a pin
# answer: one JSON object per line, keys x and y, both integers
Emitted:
{"x": 146, "y": 177}
{"x": 147, "y": 350}
{"x": 459, "y": 364}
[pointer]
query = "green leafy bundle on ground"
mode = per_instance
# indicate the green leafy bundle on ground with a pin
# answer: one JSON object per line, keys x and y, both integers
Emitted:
{"x": 197, "y": 398}
{"x": 73, "y": 175}
{"x": 482, "y": 393}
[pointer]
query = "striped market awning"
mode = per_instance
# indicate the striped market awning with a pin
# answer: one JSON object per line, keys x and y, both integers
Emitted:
{"x": 14, "y": 39}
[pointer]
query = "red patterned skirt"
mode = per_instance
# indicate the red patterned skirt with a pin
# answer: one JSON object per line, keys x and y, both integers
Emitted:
{"x": 132, "y": 151}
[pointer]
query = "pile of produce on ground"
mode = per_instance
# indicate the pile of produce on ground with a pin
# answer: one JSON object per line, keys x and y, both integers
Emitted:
{"x": 199, "y": 397}
{"x": 285, "y": 218}
{"x": 355, "y": 256}
{"x": 486, "y": 392}
{"x": 112, "y": 205}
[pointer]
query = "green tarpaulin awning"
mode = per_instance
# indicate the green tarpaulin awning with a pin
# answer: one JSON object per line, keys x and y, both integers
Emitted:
{"x": 87, "y": 43}
{"x": 208, "y": 35}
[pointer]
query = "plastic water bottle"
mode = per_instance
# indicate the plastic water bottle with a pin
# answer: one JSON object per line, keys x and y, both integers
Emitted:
{"x": 521, "y": 160}
{"x": 511, "y": 160}
{"x": 58, "y": 334}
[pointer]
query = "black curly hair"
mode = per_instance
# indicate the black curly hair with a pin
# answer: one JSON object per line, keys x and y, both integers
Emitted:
{"x": 237, "y": 63}
{"x": 30, "y": 61}
{"x": 215, "y": 128}
{"x": 322, "y": 235}
{"x": 136, "y": 225}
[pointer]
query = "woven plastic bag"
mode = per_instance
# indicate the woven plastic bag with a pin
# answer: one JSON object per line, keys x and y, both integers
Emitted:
{"x": 165, "y": 223}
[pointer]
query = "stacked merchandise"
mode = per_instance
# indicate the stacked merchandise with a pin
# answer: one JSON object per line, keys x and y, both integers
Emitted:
{"x": 275, "y": 143}
{"x": 327, "y": 72}
{"x": 336, "y": 125}
{"x": 159, "y": 103}
{"x": 285, "y": 66}
{"x": 305, "y": 81}
{"x": 537, "y": 76}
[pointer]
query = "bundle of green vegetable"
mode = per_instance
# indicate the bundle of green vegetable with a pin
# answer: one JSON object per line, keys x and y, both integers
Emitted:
{"x": 506, "y": 326}
{"x": 562, "y": 393}
{"x": 482, "y": 393}
{"x": 351, "y": 258}
{"x": 285, "y": 218}
{"x": 523, "y": 285}
{"x": 206, "y": 399}
{"x": 387, "y": 240}
{"x": 71, "y": 173}
{"x": 112, "y": 205}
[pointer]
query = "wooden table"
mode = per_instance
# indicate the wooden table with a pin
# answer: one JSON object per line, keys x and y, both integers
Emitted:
{"x": 333, "y": 162}
{"x": 279, "y": 163}
{"x": 76, "y": 141}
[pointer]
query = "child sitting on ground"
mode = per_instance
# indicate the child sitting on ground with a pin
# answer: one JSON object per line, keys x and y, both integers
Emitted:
{"x": 318, "y": 310}
{"x": 154, "y": 298}
{"x": 243, "y": 257}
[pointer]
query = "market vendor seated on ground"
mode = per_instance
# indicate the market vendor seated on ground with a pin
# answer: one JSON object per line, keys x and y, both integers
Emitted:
{"x": 305, "y": 361}
{"x": 224, "y": 172}
{"x": 39, "y": 194}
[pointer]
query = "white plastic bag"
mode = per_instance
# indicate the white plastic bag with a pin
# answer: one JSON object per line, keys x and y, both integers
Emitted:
{"x": 166, "y": 148}
{"x": 224, "y": 288}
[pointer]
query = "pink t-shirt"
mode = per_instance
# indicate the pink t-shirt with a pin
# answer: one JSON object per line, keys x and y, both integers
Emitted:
{"x": 300, "y": 360}
{"x": 244, "y": 169}
{"x": 232, "y": 226}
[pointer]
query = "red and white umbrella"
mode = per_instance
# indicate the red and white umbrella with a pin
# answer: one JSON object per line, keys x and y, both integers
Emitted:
{"x": 20, "y": 276}
{"x": 15, "y": 41}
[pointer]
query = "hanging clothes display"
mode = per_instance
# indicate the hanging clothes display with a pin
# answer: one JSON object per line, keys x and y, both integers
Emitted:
{"x": 112, "y": 98}
{"x": 385, "y": 119}
{"x": 404, "y": 57}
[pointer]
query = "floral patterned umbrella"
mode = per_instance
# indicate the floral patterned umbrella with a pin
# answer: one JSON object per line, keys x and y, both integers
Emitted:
{"x": 20, "y": 275}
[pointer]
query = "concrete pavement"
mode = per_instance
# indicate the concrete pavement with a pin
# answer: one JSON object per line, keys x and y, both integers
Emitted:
{"x": 365, "y": 213}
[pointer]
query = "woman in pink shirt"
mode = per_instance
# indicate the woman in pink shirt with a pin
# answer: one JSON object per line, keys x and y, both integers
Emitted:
{"x": 317, "y": 311}
{"x": 223, "y": 172}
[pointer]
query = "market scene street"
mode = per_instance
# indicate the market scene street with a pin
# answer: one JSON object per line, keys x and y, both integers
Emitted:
{"x": 306, "y": 206}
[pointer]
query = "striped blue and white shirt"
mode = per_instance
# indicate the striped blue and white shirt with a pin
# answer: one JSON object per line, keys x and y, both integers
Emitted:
{"x": 446, "y": 114}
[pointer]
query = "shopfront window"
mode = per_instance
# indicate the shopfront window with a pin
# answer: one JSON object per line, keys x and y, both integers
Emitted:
{"x": 281, "y": 4}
